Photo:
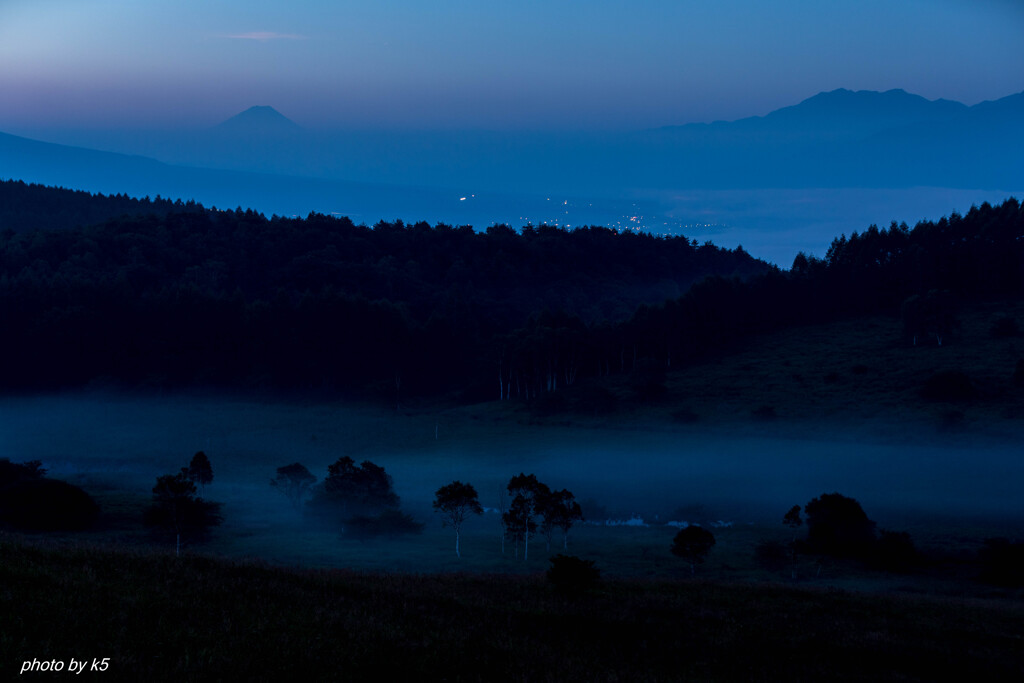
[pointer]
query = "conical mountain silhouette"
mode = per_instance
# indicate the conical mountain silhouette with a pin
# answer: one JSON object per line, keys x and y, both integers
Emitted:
{"x": 259, "y": 120}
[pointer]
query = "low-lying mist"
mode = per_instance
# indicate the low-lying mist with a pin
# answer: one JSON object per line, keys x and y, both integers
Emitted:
{"x": 116, "y": 443}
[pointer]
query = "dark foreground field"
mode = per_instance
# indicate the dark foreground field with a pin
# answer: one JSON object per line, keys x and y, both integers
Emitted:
{"x": 157, "y": 617}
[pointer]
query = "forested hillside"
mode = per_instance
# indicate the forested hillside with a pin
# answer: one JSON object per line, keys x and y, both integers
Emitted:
{"x": 167, "y": 297}
{"x": 27, "y": 206}
{"x": 232, "y": 298}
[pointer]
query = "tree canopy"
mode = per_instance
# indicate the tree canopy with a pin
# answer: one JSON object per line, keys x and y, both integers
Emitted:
{"x": 456, "y": 501}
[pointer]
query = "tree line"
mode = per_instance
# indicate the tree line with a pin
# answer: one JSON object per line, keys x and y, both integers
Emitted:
{"x": 232, "y": 298}
{"x": 200, "y": 296}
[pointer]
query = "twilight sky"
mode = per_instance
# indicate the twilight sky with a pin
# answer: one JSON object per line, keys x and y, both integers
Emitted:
{"x": 529, "y": 64}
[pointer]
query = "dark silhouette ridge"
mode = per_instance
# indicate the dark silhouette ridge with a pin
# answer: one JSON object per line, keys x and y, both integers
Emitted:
{"x": 232, "y": 298}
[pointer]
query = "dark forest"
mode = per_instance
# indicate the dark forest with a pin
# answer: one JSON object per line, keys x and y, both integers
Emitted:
{"x": 161, "y": 294}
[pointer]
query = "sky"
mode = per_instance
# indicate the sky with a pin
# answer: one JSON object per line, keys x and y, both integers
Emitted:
{"x": 480, "y": 64}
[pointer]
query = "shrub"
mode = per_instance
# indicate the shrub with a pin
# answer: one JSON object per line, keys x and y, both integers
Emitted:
{"x": 693, "y": 545}
{"x": 1002, "y": 562}
{"x": 571, "y": 574}
{"x": 47, "y": 505}
{"x": 894, "y": 551}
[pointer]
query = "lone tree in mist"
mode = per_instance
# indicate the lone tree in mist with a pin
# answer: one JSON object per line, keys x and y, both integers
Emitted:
{"x": 455, "y": 501}
{"x": 176, "y": 507}
{"x": 559, "y": 510}
{"x": 294, "y": 482}
{"x": 350, "y": 490}
{"x": 527, "y": 496}
{"x": 837, "y": 525}
{"x": 693, "y": 545}
{"x": 200, "y": 471}
{"x": 361, "y": 499}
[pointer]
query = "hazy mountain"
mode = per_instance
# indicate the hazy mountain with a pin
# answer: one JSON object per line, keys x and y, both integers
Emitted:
{"x": 364, "y": 202}
{"x": 787, "y": 181}
{"x": 258, "y": 120}
{"x": 840, "y": 112}
{"x": 834, "y": 139}
{"x": 843, "y": 139}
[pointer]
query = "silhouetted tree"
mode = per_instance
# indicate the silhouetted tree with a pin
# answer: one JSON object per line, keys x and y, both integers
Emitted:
{"x": 200, "y": 471}
{"x": 1002, "y": 562}
{"x": 693, "y": 544}
{"x": 560, "y": 510}
{"x": 837, "y": 525}
{"x": 47, "y": 505}
{"x": 28, "y": 500}
{"x": 351, "y": 491}
{"x": 526, "y": 494}
{"x": 455, "y": 501}
{"x": 294, "y": 482}
{"x": 176, "y": 507}
{"x": 13, "y": 472}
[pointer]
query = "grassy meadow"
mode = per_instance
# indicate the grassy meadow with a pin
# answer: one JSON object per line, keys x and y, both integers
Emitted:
{"x": 732, "y": 443}
{"x": 164, "y": 618}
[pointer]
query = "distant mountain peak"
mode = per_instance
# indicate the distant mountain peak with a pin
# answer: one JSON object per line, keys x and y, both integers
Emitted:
{"x": 259, "y": 119}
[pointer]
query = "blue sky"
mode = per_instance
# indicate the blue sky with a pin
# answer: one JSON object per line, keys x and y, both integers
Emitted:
{"x": 551, "y": 64}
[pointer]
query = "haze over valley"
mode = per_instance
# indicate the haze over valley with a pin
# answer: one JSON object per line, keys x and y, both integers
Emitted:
{"x": 536, "y": 341}
{"x": 777, "y": 184}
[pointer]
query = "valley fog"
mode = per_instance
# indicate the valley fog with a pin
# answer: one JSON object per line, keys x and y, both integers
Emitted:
{"x": 126, "y": 442}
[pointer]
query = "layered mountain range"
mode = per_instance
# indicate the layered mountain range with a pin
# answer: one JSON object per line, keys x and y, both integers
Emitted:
{"x": 261, "y": 159}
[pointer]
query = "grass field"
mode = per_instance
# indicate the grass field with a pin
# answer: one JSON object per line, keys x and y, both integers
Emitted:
{"x": 158, "y": 617}
{"x": 738, "y": 439}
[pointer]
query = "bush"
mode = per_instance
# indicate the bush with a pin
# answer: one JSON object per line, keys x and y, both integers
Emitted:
{"x": 571, "y": 574}
{"x": 47, "y": 505}
{"x": 693, "y": 545}
{"x": 895, "y": 552}
{"x": 1002, "y": 562}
